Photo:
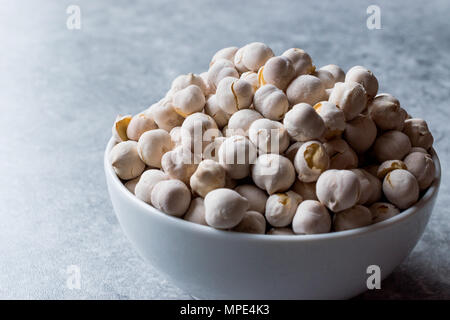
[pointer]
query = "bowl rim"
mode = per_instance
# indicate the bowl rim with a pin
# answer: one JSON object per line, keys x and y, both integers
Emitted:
{"x": 209, "y": 231}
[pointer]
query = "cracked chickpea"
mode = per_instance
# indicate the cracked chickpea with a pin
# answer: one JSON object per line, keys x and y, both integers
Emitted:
{"x": 148, "y": 180}
{"x": 401, "y": 188}
{"x": 256, "y": 197}
{"x": 338, "y": 189}
{"x": 236, "y": 154}
{"x": 234, "y": 94}
{"x": 418, "y": 133}
{"x": 119, "y": 129}
{"x": 152, "y": 145}
{"x": 269, "y": 136}
{"x": 165, "y": 115}
{"x": 341, "y": 155}
{"x": 382, "y": 211}
{"x": 352, "y": 218}
{"x": 391, "y": 145}
{"x": 252, "y": 78}
{"x": 278, "y": 71}
{"x": 386, "y": 112}
{"x": 421, "y": 165}
{"x": 271, "y": 102}
{"x": 333, "y": 118}
{"x": 125, "y": 160}
{"x": 273, "y": 173}
{"x": 301, "y": 61}
{"x": 310, "y": 161}
{"x": 209, "y": 175}
{"x": 224, "y": 208}
{"x": 179, "y": 164}
{"x": 365, "y": 77}
{"x": 171, "y": 197}
{"x": 350, "y": 97}
{"x": 307, "y": 89}
{"x": 390, "y": 165}
{"x": 252, "y": 222}
{"x": 303, "y": 123}
{"x": 281, "y": 207}
{"x": 311, "y": 217}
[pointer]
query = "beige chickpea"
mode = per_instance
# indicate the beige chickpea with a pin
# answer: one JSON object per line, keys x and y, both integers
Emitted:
{"x": 234, "y": 94}
{"x": 175, "y": 136}
{"x": 171, "y": 197}
{"x": 303, "y": 123}
{"x": 209, "y": 175}
{"x": 382, "y": 211}
{"x": 386, "y": 112}
{"x": 252, "y": 222}
{"x": 252, "y": 78}
{"x": 291, "y": 152}
{"x": 256, "y": 197}
{"x": 326, "y": 77}
{"x": 365, "y": 77}
{"x": 350, "y": 97}
{"x": 338, "y": 189}
{"x": 240, "y": 122}
{"x": 221, "y": 69}
{"x": 185, "y": 80}
{"x": 310, "y": 161}
{"x": 311, "y": 217}
{"x": 370, "y": 187}
{"x": 281, "y": 207}
{"x": 252, "y": 57}
{"x": 271, "y": 102}
{"x": 306, "y": 189}
{"x": 189, "y": 100}
{"x": 391, "y": 145}
{"x": 197, "y": 131}
{"x": 337, "y": 73}
{"x": 333, "y": 118}
{"x": 152, "y": 145}
{"x": 305, "y": 88}
{"x": 281, "y": 231}
{"x": 390, "y": 165}
{"x": 196, "y": 212}
{"x": 225, "y": 53}
{"x": 209, "y": 90}
{"x": 119, "y": 128}
{"x": 278, "y": 71}
{"x": 236, "y": 154}
{"x": 360, "y": 133}
{"x": 273, "y": 173}
{"x": 418, "y": 132}
{"x": 131, "y": 184}
{"x": 179, "y": 164}
{"x": 125, "y": 160}
{"x": 148, "y": 180}
{"x": 341, "y": 155}
{"x": 224, "y": 208}
{"x": 139, "y": 124}
{"x": 301, "y": 61}
{"x": 269, "y": 136}
{"x": 165, "y": 115}
{"x": 401, "y": 188}
{"x": 421, "y": 165}
{"x": 352, "y": 218}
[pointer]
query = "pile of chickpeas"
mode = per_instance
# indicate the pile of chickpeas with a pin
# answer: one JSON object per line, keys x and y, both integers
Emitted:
{"x": 270, "y": 144}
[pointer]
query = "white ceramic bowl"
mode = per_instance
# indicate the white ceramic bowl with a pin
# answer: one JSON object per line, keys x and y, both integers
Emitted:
{"x": 213, "y": 264}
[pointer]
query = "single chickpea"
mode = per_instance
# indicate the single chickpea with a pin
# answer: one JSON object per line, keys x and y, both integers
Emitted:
{"x": 391, "y": 145}
{"x": 236, "y": 154}
{"x": 338, "y": 189}
{"x": 196, "y": 212}
{"x": 125, "y": 160}
{"x": 224, "y": 208}
{"x": 310, "y": 161}
{"x": 365, "y": 77}
{"x": 185, "y": 80}
{"x": 390, "y": 165}
{"x": 197, "y": 131}
{"x": 209, "y": 175}
{"x": 171, "y": 197}
{"x": 421, "y": 165}
{"x": 311, "y": 217}
{"x": 189, "y": 100}
{"x": 360, "y": 133}
{"x": 305, "y": 88}
{"x": 119, "y": 128}
{"x": 252, "y": 222}
{"x": 326, "y": 77}
{"x": 301, "y": 61}
{"x": 352, "y": 218}
{"x": 401, "y": 188}
{"x": 370, "y": 187}
{"x": 240, "y": 121}
{"x": 131, "y": 184}
{"x": 337, "y": 73}
{"x": 306, "y": 189}
{"x": 281, "y": 207}
{"x": 341, "y": 155}
{"x": 256, "y": 197}
{"x": 179, "y": 164}
{"x": 225, "y": 53}
{"x": 252, "y": 57}
{"x": 152, "y": 145}
{"x": 273, "y": 173}
{"x": 418, "y": 132}
{"x": 350, "y": 97}
{"x": 139, "y": 124}
{"x": 386, "y": 112}
{"x": 269, "y": 136}
{"x": 303, "y": 123}
{"x": 271, "y": 102}
{"x": 281, "y": 231}
{"x": 278, "y": 71}
{"x": 333, "y": 118}
{"x": 148, "y": 180}
{"x": 234, "y": 94}
{"x": 165, "y": 115}
{"x": 382, "y": 211}
{"x": 221, "y": 69}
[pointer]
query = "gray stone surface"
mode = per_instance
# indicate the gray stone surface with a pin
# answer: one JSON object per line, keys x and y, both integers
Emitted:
{"x": 60, "y": 91}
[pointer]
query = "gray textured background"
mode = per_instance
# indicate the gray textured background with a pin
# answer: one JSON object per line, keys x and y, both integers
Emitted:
{"x": 60, "y": 91}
